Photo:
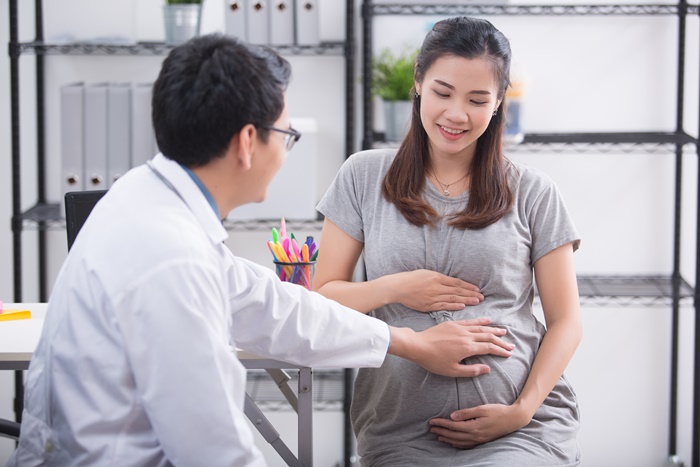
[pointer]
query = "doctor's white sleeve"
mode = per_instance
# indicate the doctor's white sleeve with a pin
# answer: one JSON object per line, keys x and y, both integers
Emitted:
{"x": 284, "y": 321}
{"x": 190, "y": 382}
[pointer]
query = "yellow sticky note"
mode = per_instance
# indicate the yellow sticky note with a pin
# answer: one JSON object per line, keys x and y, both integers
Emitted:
{"x": 9, "y": 315}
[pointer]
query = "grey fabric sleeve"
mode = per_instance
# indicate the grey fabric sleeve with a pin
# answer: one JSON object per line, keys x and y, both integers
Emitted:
{"x": 342, "y": 202}
{"x": 550, "y": 223}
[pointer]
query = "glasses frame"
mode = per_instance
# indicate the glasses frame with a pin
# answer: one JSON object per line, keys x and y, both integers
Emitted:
{"x": 291, "y": 135}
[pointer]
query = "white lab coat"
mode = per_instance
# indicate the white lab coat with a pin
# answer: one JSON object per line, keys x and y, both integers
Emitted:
{"x": 136, "y": 363}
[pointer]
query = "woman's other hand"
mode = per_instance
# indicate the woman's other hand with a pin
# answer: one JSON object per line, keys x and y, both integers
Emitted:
{"x": 424, "y": 290}
{"x": 478, "y": 425}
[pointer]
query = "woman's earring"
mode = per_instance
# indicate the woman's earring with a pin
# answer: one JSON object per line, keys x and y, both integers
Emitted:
{"x": 416, "y": 95}
{"x": 495, "y": 112}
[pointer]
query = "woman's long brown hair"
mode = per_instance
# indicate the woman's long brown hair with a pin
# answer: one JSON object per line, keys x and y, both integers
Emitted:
{"x": 490, "y": 197}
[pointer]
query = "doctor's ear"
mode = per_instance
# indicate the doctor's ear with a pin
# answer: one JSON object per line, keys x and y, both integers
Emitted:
{"x": 244, "y": 145}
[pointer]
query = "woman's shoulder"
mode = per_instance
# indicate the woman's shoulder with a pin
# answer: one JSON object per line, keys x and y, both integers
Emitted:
{"x": 526, "y": 178}
{"x": 371, "y": 163}
{"x": 373, "y": 158}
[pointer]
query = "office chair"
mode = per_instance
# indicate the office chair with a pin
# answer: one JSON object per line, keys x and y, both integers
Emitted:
{"x": 79, "y": 204}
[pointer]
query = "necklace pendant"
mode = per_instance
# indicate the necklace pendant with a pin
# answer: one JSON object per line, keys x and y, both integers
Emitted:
{"x": 446, "y": 192}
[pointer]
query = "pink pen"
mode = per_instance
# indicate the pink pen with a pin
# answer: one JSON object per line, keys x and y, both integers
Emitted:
{"x": 283, "y": 229}
{"x": 285, "y": 245}
{"x": 297, "y": 251}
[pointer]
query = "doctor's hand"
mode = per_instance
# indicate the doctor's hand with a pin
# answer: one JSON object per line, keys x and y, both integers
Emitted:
{"x": 441, "y": 348}
{"x": 424, "y": 290}
{"x": 478, "y": 425}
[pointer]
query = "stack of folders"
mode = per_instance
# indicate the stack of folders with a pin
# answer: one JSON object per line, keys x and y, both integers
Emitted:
{"x": 105, "y": 130}
{"x": 280, "y": 22}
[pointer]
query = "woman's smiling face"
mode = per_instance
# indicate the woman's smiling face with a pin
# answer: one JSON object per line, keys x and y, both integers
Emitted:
{"x": 458, "y": 99}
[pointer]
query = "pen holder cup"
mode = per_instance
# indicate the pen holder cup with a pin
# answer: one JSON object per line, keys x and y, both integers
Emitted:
{"x": 296, "y": 273}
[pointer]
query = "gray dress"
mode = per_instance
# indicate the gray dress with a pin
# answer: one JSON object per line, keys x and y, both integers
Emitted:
{"x": 392, "y": 404}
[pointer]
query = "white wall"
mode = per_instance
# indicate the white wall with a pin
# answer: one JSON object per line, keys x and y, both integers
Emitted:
{"x": 583, "y": 74}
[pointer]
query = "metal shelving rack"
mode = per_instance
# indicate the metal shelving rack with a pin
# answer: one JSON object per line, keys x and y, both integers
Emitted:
{"x": 45, "y": 216}
{"x": 594, "y": 290}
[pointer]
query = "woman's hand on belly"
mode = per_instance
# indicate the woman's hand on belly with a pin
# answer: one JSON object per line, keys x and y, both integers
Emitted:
{"x": 478, "y": 425}
{"x": 424, "y": 290}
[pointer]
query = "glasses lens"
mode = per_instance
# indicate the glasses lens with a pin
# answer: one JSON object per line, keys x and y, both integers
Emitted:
{"x": 290, "y": 136}
{"x": 289, "y": 141}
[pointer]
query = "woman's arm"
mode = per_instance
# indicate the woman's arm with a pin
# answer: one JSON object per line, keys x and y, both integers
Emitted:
{"x": 420, "y": 290}
{"x": 556, "y": 282}
{"x": 334, "y": 271}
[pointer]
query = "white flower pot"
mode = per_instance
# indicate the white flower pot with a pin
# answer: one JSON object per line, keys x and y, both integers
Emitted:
{"x": 182, "y": 22}
{"x": 397, "y": 116}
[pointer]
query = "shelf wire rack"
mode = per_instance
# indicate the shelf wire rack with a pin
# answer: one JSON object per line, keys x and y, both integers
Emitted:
{"x": 452, "y": 9}
{"x": 155, "y": 49}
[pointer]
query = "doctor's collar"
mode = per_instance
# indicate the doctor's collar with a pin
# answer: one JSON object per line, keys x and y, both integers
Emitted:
{"x": 203, "y": 189}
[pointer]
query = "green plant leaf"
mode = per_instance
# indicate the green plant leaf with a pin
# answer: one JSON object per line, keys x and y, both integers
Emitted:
{"x": 392, "y": 75}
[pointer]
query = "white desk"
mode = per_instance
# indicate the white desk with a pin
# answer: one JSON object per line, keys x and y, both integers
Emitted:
{"x": 19, "y": 338}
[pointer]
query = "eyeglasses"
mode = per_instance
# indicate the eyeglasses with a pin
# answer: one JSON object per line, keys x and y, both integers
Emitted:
{"x": 291, "y": 136}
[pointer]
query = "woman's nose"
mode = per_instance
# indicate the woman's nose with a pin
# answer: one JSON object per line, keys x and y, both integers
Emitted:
{"x": 456, "y": 112}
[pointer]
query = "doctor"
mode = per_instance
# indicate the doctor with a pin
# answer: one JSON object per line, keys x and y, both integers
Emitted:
{"x": 136, "y": 363}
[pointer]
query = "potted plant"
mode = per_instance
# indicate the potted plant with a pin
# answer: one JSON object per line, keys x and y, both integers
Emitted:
{"x": 392, "y": 81}
{"x": 182, "y": 20}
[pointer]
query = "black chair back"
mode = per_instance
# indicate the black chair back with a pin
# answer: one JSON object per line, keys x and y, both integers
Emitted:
{"x": 79, "y": 204}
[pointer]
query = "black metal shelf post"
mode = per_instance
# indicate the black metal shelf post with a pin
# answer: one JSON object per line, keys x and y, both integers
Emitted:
{"x": 16, "y": 172}
{"x": 643, "y": 290}
{"x": 676, "y": 274}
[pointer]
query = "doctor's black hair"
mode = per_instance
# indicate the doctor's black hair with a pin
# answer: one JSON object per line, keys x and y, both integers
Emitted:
{"x": 208, "y": 89}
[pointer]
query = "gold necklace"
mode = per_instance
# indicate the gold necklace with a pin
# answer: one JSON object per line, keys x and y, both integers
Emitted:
{"x": 446, "y": 186}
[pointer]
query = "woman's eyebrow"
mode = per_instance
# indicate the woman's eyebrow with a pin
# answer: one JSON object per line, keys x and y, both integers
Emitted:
{"x": 444, "y": 84}
{"x": 477, "y": 91}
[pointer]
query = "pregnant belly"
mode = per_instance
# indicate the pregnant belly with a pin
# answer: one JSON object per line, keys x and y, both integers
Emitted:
{"x": 401, "y": 396}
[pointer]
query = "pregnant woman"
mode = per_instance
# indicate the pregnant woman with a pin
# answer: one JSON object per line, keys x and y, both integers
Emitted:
{"x": 450, "y": 230}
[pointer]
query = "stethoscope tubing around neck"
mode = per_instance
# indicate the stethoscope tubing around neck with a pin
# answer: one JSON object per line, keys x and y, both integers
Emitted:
{"x": 163, "y": 179}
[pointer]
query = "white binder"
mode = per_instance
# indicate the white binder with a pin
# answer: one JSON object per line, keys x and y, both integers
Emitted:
{"x": 258, "y": 21}
{"x": 292, "y": 193}
{"x": 235, "y": 18}
{"x": 72, "y": 154}
{"x": 281, "y": 22}
{"x": 118, "y": 132}
{"x": 307, "y": 22}
{"x": 95, "y": 134}
{"x": 142, "y": 136}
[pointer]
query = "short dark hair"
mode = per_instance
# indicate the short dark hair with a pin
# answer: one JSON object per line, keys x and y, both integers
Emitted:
{"x": 208, "y": 89}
